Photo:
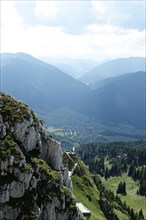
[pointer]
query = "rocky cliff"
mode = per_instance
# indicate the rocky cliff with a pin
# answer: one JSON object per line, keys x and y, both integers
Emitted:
{"x": 34, "y": 183}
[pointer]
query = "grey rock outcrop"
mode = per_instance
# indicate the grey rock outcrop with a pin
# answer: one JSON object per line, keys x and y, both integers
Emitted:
{"x": 17, "y": 189}
{"x": 4, "y": 194}
{"x": 33, "y": 136}
{"x": 67, "y": 179}
{"x": 54, "y": 154}
{"x": 34, "y": 184}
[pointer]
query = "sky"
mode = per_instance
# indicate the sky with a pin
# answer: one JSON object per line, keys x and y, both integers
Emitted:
{"x": 87, "y": 29}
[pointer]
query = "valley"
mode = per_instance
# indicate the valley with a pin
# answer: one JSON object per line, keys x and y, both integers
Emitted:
{"x": 61, "y": 101}
{"x": 104, "y": 123}
{"x": 99, "y": 167}
{"x": 94, "y": 132}
{"x": 72, "y": 110}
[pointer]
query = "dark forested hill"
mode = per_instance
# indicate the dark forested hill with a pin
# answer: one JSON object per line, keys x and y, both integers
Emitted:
{"x": 114, "y": 68}
{"x": 120, "y": 101}
{"x": 42, "y": 86}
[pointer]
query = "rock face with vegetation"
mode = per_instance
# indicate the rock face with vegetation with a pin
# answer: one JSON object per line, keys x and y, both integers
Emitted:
{"x": 32, "y": 174}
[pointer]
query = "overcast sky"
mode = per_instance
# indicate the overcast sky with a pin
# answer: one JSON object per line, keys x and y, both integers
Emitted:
{"x": 74, "y": 29}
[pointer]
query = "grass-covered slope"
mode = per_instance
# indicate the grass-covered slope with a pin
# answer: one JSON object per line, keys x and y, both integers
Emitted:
{"x": 122, "y": 167}
{"x": 133, "y": 200}
{"x": 88, "y": 188}
{"x": 84, "y": 187}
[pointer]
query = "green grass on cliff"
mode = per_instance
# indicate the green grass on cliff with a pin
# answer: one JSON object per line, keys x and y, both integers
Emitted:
{"x": 7, "y": 147}
{"x": 15, "y": 110}
{"x": 12, "y": 109}
{"x": 85, "y": 190}
{"x": 45, "y": 168}
{"x": 82, "y": 190}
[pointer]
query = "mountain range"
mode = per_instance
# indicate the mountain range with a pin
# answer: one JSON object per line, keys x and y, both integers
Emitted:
{"x": 122, "y": 100}
{"x": 74, "y": 67}
{"x": 45, "y": 88}
{"x": 114, "y": 68}
{"x": 40, "y": 85}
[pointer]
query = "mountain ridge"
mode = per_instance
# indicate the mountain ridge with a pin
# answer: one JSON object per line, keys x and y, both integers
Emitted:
{"x": 114, "y": 68}
{"x": 48, "y": 90}
{"x": 120, "y": 101}
{"x": 20, "y": 77}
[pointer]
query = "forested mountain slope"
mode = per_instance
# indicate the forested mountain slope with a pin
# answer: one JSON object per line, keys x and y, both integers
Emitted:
{"x": 121, "y": 101}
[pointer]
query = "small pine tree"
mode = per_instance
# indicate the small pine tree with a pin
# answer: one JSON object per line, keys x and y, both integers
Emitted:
{"x": 140, "y": 215}
{"x": 131, "y": 170}
{"x": 106, "y": 173}
{"x": 142, "y": 188}
{"x": 122, "y": 188}
{"x": 132, "y": 214}
{"x": 137, "y": 192}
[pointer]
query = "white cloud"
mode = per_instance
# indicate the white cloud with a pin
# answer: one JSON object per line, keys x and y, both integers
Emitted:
{"x": 98, "y": 6}
{"x": 46, "y": 9}
{"x": 9, "y": 16}
{"x": 126, "y": 14}
{"x": 99, "y": 40}
{"x": 71, "y": 16}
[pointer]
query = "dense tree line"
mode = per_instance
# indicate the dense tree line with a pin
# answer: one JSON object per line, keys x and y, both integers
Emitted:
{"x": 128, "y": 152}
{"x": 139, "y": 173}
{"x": 123, "y": 157}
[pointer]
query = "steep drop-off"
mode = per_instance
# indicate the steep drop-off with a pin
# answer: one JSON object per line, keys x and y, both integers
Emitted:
{"x": 34, "y": 183}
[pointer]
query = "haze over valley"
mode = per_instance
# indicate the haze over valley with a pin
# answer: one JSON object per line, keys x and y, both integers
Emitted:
{"x": 73, "y": 110}
{"x": 64, "y": 102}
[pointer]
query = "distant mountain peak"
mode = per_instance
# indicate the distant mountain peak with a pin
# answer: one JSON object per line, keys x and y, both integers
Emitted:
{"x": 114, "y": 68}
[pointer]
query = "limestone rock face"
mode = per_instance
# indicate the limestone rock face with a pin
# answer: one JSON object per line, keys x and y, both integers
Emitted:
{"x": 2, "y": 127}
{"x": 33, "y": 136}
{"x": 8, "y": 212}
{"x": 30, "y": 132}
{"x": 34, "y": 184}
{"x": 4, "y": 194}
{"x": 17, "y": 189}
{"x": 54, "y": 154}
{"x": 67, "y": 179}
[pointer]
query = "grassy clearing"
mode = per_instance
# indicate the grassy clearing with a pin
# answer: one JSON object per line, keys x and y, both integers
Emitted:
{"x": 57, "y": 131}
{"x": 132, "y": 199}
{"x": 81, "y": 190}
{"x": 121, "y": 215}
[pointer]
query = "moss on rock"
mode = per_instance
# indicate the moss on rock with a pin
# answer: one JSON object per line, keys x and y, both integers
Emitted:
{"x": 45, "y": 168}
{"x": 7, "y": 147}
{"x": 12, "y": 109}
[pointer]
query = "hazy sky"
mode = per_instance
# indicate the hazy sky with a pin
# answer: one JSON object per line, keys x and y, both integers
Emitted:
{"x": 74, "y": 29}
